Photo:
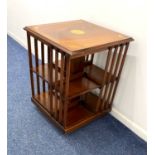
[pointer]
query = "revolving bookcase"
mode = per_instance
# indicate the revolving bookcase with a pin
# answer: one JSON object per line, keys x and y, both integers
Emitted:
{"x": 66, "y": 83}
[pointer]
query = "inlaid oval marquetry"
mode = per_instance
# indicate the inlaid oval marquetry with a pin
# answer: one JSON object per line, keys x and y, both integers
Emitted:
{"x": 77, "y": 32}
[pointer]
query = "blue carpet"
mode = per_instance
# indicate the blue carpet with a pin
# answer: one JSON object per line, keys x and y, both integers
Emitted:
{"x": 30, "y": 133}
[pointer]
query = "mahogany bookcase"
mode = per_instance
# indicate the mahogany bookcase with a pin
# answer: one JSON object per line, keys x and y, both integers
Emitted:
{"x": 63, "y": 73}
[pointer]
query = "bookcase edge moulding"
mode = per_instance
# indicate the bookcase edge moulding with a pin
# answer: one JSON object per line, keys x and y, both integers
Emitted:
{"x": 64, "y": 76}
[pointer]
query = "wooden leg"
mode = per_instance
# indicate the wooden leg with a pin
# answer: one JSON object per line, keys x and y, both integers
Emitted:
{"x": 30, "y": 63}
{"x": 37, "y": 63}
{"x": 61, "y": 105}
{"x": 66, "y": 89}
{"x": 51, "y": 79}
{"x": 43, "y": 62}
{"x": 55, "y": 84}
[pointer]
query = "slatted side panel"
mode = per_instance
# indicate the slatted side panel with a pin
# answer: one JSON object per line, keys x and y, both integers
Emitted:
{"x": 33, "y": 48}
{"x": 49, "y": 74}
{"x": 118, "y": 71}
{"x": 110, "y": 71}
{"x": 38, "y": 49}
{"x": 115, "y": 61}
{"x": 99, "y": 104}
{"x": 57, "y": 77}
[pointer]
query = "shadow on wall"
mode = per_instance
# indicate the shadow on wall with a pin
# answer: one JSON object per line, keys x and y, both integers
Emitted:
{"x": 125, "y": 94}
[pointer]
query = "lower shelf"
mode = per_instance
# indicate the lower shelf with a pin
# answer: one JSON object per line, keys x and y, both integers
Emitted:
{"x": 77, "y": 116}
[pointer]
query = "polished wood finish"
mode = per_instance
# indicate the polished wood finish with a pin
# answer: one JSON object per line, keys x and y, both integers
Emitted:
{"x": 37, "y": 63}
{"x": 62, "y": 66}
{"x": 43, "y": 62}
{"x": 60, "y": 35}
{"x": 64, "y": 85}
{"x": 96, "y": 74}
{"x": 76, "y": 87}
{"x": 50, "y": 76}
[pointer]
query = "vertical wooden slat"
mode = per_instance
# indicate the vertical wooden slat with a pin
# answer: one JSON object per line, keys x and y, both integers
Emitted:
{"x": 104, "y": 101}
{"x": 49, "y": 50}
{"x": 115, "y": 71}
{"x": 119, "y": 72}
{"x": 61, "y": 87}
{"x": 50, "y": 85}
{"x": 37, "y": 63}
{"x": 87, "y": 58}
{"x": 48, "y": 54}
{"x": 104, "y": 78}
{"x": 92, "y": 58}
{"x": 56, "y": 83}
{"x": 109, "y": 94}
{"x": 67, "y": 75}
{"x": 43, "y": 62}
{"x": 118, "y": 60}
{"x": 30, "y": 63}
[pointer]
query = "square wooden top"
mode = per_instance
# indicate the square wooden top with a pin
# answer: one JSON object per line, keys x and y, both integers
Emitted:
{"x": 75, "y": 36}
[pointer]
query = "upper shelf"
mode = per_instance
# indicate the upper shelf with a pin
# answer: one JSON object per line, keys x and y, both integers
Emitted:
{"x": 81, "y": 86}
{"x": 75, "y": 36}
{"x": 96, "y": 74}
{"x": 76, "y": 87}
